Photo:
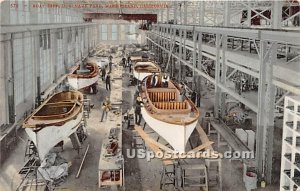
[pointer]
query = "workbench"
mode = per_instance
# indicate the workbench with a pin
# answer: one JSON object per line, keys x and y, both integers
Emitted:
{"x": 111, "y": 164}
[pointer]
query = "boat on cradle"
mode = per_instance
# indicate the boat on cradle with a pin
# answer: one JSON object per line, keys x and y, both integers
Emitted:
{"x": 172, "y": 116}
{"x": 101, "y": 62}
{"x": 139, "y": 56}
{"x": 55, "y": 120}
{"x": 84, "y": 75}
{"x": 144, "y": 69}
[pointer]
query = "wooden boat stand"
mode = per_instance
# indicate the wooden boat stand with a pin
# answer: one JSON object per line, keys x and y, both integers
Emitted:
{"x": 176, "y": 171}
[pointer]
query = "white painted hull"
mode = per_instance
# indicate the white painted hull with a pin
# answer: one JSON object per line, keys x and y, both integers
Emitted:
{"x": 176, "y": 135}
{"x": 48, "y": 137}
{"x": 140, "y": 76}
{"x": 102, "y": 63}
{"x": 79, "y": 83}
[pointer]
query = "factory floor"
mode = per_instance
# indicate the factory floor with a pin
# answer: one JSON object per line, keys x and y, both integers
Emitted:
{"x": 140, "y": 175}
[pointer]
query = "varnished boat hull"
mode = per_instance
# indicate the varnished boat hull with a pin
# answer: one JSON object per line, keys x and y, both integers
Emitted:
{"x": 80, "y": 83}
{"x": 176, "y": 135}
{"x": 46, "y": 138}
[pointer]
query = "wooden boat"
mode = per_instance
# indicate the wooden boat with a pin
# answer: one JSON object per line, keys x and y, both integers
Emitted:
{"x": 101, "y": 62}
{"x": 56, "y": 119}
{"x": 135, "y": 59}
{"x": 172, "y": 118}
{"x": 144, "y": 69}
{"x": 139, "y": 56}
{"x": 84, "y": 76}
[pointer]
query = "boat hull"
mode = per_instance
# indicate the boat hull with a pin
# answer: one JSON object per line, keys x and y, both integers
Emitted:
{"x": 176, "y": 135}
{"x": 46, "y": 138}
{"x": 140, "y": 75}
{"x": 80, "y": 83}
{"x": 102, "y": 62}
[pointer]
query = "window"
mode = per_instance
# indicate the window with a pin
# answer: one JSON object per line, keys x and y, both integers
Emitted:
{"x": 45, "y": 39}
{"x": 18, "y": 71}
{"x": 69, "y": 35}
{"x": 114, "y": 32}
{"x": 132, "y": 29}
{"x": 59, "y": 34}
{"x": 49, "y": 38}
{"x": 104, "y": 32}
{"x": 28, "y": 68}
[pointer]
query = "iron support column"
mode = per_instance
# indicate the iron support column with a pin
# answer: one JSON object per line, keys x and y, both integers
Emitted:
{"x": 217, "y": 77}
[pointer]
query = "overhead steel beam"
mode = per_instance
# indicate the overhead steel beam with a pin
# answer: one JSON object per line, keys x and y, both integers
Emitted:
{"x": 211, "y": 56}
{"x": 225, "y": 89}
{"x": 286, "y": 86}
{"x": 286, "y": 37}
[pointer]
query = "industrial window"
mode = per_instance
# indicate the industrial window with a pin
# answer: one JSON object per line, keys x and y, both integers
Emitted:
{"x": 76, "y": 33}
{"x": 18, "y": 71}
{"x": 132, "y": 29}
{"x": 45, "y": 39}
{"x": 114, "y": 32}
{"x": 59, "y": 34}
{"x": 28, "y": 68}
{"x": 69, "y": 35}
{"x": 104, "y": 32}
{"x": 49, "y": 38}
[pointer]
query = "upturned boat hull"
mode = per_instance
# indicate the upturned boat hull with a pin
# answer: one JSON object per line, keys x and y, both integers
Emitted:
{"x": 46, "y": 138}
{"x": 176, "y": 135}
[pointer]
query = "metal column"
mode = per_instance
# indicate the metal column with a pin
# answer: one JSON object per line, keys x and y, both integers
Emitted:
{"x": 180, "y": 54}
{"x": 217, "y": 76}
{"x": 265, "y": 115}
{"x": 223, "y": 75}
{"x": 276, "y": 14}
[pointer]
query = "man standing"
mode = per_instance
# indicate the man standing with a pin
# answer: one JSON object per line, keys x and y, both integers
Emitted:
{"x": 182, "y": 93}
{"x": 193, "y": 96}
{"x": 107, "y": 82}
{"x": 130, "y": 66}
{"x": 103, "y": 73}
{"x": 110, "y": 66}
{"x": 128, "y": 60}
{"x": 110, "y": 58}
{"x": 106, "y": 107}
{"x": 138, "y": 114}
{"x": 124, "y": 61}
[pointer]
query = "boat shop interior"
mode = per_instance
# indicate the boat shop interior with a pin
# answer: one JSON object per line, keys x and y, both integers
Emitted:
{"x": 150, "y": 95}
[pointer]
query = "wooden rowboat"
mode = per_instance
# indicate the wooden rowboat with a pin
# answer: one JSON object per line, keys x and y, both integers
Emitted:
{"x": 144, "y": 69}
{"x": 80, "y": 79}
{"x": 56, "y": 119}
{"x": 172, "y": 118}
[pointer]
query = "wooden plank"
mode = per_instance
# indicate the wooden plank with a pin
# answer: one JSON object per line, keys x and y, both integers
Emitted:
{"x": 79, "y": 170}
{"x": 229, "y": 136}
{"x": 156, "y": 149}
{"x": 146, "y": 137}
{"x": 201, "y": 147}
{"x": 203, "y": 136}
